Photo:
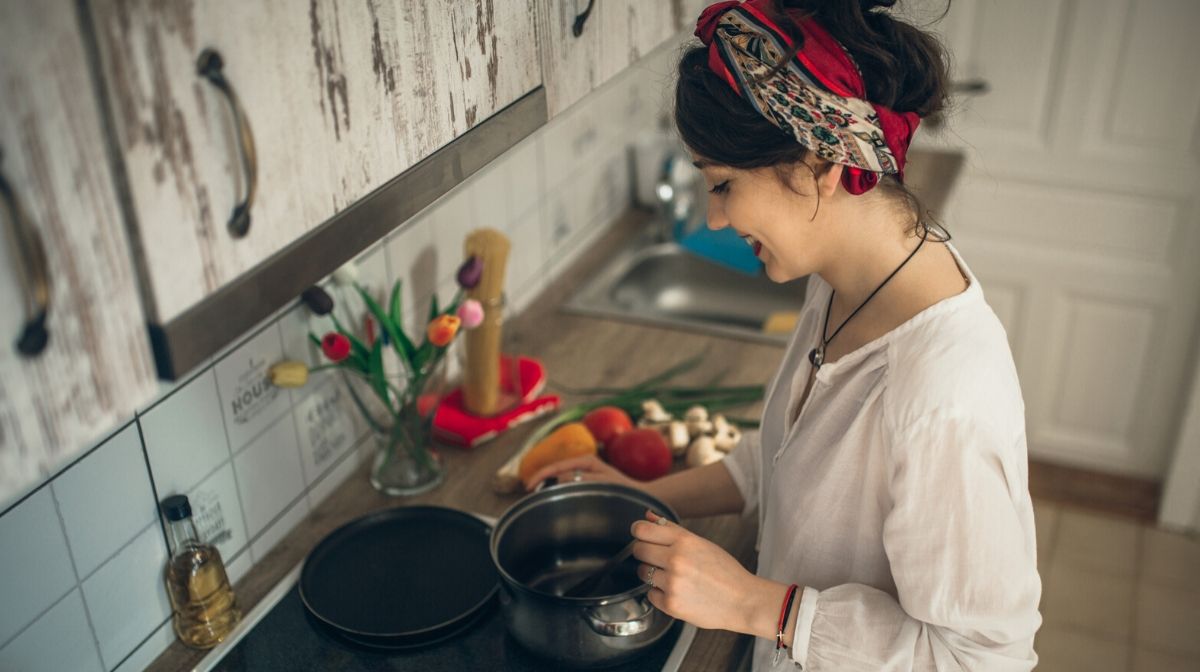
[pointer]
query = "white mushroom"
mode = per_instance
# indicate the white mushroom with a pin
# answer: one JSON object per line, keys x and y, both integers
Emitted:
{"x": 653, "y": 412}
{"x": 725, "y": 435}
{"x": 703, "y": 451}
{"x": 696, "y": 413}
{"x": 697, "y": 421}
{"x": 677, "y": 437}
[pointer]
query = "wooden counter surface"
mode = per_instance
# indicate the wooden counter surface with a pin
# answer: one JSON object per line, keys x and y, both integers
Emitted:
{"x": 578, "y": 352}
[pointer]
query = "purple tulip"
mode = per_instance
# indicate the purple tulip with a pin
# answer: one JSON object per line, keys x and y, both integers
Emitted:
{"x": 470, "y": 273}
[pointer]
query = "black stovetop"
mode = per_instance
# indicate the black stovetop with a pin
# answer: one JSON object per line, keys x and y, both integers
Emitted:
{"x": 287, "y": 639}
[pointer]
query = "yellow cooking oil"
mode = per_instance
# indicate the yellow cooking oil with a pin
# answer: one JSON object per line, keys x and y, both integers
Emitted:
{"x": 204, "y": 607}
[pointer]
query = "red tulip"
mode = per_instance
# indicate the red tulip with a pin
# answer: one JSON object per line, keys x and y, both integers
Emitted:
{"x": 335, "y": 346}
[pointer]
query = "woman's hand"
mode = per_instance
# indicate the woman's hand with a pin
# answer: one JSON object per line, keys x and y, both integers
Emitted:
{"x": 589, "y": 468}
{"x": 695, "y": 580}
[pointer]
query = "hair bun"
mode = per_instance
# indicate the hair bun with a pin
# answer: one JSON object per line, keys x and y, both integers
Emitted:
{"x": 868, "y": 5}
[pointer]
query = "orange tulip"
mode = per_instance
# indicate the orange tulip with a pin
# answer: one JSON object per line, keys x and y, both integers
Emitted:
{"x": 442, "y": 330}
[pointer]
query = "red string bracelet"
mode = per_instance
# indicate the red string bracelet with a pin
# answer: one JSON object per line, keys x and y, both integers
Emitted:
{"x": 783, "y": 619}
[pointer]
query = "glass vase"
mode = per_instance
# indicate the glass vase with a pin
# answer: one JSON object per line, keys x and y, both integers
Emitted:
{"x": 405, "y": 461}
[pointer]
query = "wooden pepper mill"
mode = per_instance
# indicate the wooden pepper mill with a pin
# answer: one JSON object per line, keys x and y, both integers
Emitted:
{"x": 482, "y": 393}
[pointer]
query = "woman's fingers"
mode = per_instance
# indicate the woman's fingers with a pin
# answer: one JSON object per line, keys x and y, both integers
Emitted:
{"x": 655, "y": 533}
{"x": 653, "y": 554}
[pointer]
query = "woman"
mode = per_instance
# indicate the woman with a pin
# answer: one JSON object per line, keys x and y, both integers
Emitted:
{"x": 890, "y": 473}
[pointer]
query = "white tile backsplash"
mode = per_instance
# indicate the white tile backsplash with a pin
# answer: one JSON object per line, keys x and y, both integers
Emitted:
{"x": 217, "y": 512}
{"x": 454, "y": 218}
{"x": 523, "y": 166}
{"x": 237, "y": 568}
{"x": 491, "y": 204}
{"x": 269, "y": 475}
{"x": 372, "y": 274}
{"x": 105, "y": 499}
{"x": 335, "y": 476}
{"x": 35, "y": 566}
{"x": 249, "y": 402}
{"x": 254, "y": 460}
{"x": 149, "y": 649}
{"x": 185, "y": 436}
{"x": 522, "y": 278}
{"x": 328, "y": 425}
{"x": 59, "y": 640}
{"x": 279, "y": 529}
{"x": 126, "y": 598}
{"x": 412, "y": 260}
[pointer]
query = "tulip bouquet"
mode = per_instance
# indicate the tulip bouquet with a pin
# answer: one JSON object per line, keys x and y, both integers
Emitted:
{"x": 399, "y": 373}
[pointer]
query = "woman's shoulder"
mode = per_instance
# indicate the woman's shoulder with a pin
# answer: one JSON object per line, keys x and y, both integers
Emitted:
{"x": 956, "y": 363}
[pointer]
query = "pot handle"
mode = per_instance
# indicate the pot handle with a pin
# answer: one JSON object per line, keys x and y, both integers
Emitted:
{"x": 623, "y": 619}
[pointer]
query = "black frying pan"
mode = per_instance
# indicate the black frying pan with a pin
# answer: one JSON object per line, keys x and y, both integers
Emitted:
{"x": 401, "y": 578}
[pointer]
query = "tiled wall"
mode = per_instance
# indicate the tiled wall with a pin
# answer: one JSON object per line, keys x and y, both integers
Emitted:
{"x": 81, "y": 557}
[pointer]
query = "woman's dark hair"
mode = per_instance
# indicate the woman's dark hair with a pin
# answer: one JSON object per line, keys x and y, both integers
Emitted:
{"x": 903, "y": 68}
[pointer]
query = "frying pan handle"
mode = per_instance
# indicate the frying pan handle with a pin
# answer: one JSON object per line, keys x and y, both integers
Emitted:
{"x": 623, "y": 619}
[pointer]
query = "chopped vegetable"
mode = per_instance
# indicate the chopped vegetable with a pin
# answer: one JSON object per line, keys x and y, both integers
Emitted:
{"x": 606, "y": 423}
{"x": 640, "y": 453}
{"x": 570, "y": 440}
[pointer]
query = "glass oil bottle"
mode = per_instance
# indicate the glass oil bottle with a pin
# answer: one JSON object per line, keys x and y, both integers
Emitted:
{"x": 202, "y": 601}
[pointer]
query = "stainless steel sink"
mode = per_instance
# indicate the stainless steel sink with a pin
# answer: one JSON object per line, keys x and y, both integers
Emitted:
{"x": 663, "y": 284}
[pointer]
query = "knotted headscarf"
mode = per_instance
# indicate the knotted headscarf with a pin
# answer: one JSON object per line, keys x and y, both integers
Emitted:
{"x": 818, "y": 96}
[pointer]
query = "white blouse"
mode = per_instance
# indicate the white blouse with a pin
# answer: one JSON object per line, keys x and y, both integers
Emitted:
{"x": 899, "y": 498}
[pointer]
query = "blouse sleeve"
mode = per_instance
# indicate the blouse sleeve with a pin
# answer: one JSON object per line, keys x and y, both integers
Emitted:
{"x": 744, "y": 464}
{"x": 960, "y": 542}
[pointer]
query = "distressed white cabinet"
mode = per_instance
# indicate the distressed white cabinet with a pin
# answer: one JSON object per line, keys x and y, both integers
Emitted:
{"x": 614, "y": 34}
{"x": 339, "y": 97}
{"x": 96, "y": 365}
{"x": 1079, "y": 211}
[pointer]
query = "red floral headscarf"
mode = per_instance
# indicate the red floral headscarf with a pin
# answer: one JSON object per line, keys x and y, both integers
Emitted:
{"x": 817, "y": 97}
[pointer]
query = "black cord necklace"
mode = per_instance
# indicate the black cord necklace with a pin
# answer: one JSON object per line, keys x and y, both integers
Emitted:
{"x": 817, "y": 354}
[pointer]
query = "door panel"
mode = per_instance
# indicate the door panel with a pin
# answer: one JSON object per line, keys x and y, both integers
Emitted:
{"x": 1079, "y": 213}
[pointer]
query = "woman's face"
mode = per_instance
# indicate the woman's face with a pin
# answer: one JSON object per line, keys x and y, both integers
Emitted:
{"x": 776, "y": 220}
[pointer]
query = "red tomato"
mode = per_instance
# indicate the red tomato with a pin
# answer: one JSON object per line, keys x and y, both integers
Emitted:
{"x": 640, "y": 453}
{"x": 607, "y": 422}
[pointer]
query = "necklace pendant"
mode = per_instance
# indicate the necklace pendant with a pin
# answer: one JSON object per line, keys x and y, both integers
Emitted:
{"x": 817, "y": 356}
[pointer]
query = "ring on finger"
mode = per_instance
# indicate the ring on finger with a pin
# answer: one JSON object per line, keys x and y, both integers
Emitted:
{"x": 577, "y": 476}
{"x": 650, "y": 576}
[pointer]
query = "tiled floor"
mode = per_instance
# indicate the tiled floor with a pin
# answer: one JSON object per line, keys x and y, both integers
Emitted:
{"x": 1116, "y": 595}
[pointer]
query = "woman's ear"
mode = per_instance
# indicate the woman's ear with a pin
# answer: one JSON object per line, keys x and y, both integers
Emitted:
{"x": 829, "y": 177}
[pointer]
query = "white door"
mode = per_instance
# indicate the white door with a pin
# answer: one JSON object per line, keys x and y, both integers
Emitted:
{"x": 1079, "y": 212}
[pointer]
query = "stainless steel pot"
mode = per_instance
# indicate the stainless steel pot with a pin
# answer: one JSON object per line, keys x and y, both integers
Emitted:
{"x": 552, "y": 538}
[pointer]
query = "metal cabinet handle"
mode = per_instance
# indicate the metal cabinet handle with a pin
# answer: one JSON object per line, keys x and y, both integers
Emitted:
{"x": 577, "y": 28}
{"x": 36, "y": 281}
{"x": 209, "y": 66}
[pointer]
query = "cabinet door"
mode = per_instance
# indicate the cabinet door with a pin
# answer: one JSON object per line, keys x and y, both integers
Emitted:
{"x": 340, "y": 98}
{"x": 615, "y": 34}
{"x": 1080, "y": 214}
{"x": 96, "y": 365}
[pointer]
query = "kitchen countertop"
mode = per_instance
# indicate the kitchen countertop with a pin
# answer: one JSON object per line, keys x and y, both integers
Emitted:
{"x": 577, "y": 351}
